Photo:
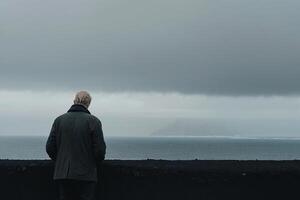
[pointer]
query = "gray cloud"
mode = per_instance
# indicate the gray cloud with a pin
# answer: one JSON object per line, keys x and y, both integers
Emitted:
{"x": 210, "y": 47}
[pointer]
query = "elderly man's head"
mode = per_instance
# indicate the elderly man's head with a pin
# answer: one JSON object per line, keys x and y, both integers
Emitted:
{"x": 83, "y": 98}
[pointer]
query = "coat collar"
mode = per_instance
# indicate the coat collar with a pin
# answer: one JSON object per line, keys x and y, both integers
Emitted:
{"x": 78, "y": 108}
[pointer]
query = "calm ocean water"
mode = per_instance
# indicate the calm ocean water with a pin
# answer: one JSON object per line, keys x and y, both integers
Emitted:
{"x": 170, "y": 148}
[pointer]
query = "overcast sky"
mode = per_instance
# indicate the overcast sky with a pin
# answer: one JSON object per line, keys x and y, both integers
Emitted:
{"x": 149, "y": 64}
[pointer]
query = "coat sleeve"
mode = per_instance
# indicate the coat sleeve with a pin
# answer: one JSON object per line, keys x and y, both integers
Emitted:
{"x": 51, "y": 146}
{"x": 99, "y": 146}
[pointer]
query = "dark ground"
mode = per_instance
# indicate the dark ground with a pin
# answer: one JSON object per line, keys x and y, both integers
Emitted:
{"x": 158, "y": 179}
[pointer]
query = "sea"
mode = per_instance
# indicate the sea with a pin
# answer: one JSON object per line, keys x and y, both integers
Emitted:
{"x": 167, "y": 148}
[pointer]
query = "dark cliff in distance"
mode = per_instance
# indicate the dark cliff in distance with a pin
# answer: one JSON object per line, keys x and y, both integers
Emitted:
{"x": 192, "y": 127}
{"x": 161, "y": 180}
{"x": 231, "y": 127}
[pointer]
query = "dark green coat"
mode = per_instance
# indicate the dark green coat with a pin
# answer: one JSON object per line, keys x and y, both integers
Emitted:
{"x": 76, "y": 145}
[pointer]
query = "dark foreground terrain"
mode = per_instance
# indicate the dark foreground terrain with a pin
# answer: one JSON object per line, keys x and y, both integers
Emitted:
{"x": 158, "y": 179}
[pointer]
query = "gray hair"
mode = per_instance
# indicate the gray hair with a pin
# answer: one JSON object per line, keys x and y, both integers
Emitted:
{"x": 83, "y": 98}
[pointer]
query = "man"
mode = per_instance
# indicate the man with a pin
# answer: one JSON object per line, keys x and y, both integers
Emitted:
{"x": 77, "y": 146}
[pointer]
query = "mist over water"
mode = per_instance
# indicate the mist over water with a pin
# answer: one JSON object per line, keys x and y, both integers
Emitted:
{"x": 169, "y": 148}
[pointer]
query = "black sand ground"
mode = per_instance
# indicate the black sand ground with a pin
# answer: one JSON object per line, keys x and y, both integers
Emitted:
{"x": 158, "y": 179}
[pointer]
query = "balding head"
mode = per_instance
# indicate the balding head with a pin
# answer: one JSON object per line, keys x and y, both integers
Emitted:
{"x": 83, "y": 98}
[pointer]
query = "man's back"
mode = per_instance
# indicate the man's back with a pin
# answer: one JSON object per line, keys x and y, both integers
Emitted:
{"x": 76, "y": 144}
